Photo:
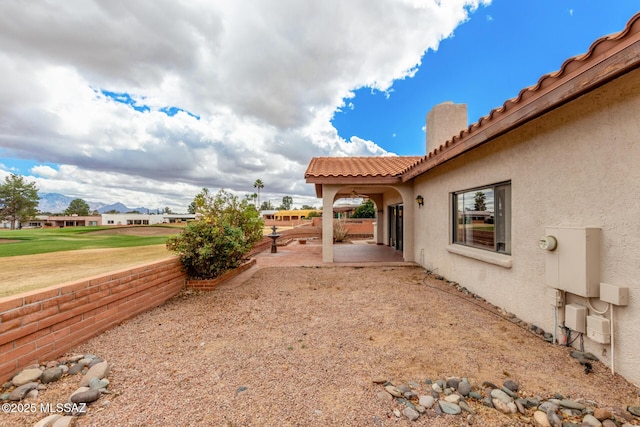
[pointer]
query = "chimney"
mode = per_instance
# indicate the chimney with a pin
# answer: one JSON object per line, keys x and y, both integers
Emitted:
{"x": 443, "y": 122}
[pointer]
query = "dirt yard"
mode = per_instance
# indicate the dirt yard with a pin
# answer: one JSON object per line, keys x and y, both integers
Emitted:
{"x": 301, "y": 346}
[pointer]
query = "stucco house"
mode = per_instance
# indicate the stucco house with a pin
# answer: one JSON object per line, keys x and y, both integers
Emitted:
{"x": 555, "y": 173}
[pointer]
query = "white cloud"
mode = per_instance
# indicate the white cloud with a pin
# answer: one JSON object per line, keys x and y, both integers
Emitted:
{"x": 264, "y": 77}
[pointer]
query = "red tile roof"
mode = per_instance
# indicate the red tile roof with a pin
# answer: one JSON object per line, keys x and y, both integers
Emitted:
{"x": 358, "y": 167}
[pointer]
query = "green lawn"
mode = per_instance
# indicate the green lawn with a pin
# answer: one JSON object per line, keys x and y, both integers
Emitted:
{"x": 46, "y": 240}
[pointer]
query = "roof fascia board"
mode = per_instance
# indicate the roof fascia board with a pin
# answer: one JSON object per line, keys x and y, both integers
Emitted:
{"x": 348, "y": 180}
{"x": 585, "y": 78}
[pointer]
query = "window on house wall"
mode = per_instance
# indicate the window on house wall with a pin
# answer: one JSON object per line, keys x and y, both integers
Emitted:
{"x": 482, "y": 217}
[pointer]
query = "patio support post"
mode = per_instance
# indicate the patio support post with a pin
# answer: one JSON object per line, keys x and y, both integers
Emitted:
{"x": 409, "y": 216}
{"x": 380, "y": 218}
{"x": 328, "y": 195}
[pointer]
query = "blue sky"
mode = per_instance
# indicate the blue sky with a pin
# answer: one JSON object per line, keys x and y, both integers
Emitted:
{"x": 502, "y": 49}
{"x": 145, "y": 103}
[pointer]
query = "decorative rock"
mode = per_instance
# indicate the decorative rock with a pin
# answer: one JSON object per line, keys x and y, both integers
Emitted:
{"x": 635, "y": 410}
{"x": 409, "y": 395}
{"x": 76, "y": 368}
{"x": 436, "y": 387}
{"x": 51, "y": 375}
{"x": 471, "y": 420}
{"x": 411, "y": 414}
{"x": 75, "y": 358}
{"x": 426, "y": 401}
{"x": 487, "y": 401}
{"x": 601, "y": 414}
{"x": 47, "y": 421}
{"x": 554, "y": 419}
{"x": 403, "y": 388}
{"x": 397, "y": 413}
{"x": 548, "y": 406}
{"x": 590, "y": 421}
{"x": 609, "y": 423}
{"x": 421, "y": 409}
{"x": 26, "y": 376}
{"x": 86, "y": 396}
{"x": 20, "y": 392}
{"x": 541, "y": 419}
{"x": 464, "y": 388}
{"x": 504, "y": 407}
{"x": 475, "y": 395}
{"x": 449, "y": 408}
{"x": 531, "y": 402}
{"x": 393, "y": 391}
{"x": 510, "y": 393}
{"x": 414, "y": 385}
{"x": 511, "y": 385}
{"x": 500, "y": 395}
{"x": 99, "y": 370}
{"x": 4, "y": 396}
{"x": 566, "y": 403}
{"x": 622, "y": 414}
{"x": 465, "y": 407}
{"x": 97, "y": 384}
{"x": 453, "y": 398}
{"x": 437, "y": 411}
{"x": 379, "y": 380}
{"x": 453, "y": 382}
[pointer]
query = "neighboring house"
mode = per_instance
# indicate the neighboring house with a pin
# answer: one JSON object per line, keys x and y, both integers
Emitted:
{"x": 560, "y": 160}
{"x": 293, "y": 215}
{"x": 72, "y": 221}
{"x": 145, "y": 219}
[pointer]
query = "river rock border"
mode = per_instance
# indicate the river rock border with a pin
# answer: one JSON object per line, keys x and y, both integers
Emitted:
{"x": 458, "y": 396}
{"x": 29, "y": 382}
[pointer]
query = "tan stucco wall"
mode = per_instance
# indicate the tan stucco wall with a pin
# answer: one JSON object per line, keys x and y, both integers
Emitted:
{"x": 576, "y": 166}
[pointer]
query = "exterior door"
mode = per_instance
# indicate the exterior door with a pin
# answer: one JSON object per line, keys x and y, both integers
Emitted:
{"x": 396, "y": 227}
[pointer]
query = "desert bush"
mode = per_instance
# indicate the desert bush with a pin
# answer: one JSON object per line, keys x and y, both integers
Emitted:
{"x": 225, "y": 230}
{"x": 340, "y": 231}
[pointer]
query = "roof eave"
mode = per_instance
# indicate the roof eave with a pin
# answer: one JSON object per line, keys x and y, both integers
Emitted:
{"x": 319, "y": 181}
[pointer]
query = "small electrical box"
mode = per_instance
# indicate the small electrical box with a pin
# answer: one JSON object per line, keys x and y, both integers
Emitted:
{"x": 598, "y": 329}
{"x": 555, "y": 297}
{"x": 614, "y": 294}
{"x": 575, "y": 317}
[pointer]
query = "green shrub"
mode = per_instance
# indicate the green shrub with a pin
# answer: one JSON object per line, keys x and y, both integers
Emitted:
{"x": 225, "y": 230}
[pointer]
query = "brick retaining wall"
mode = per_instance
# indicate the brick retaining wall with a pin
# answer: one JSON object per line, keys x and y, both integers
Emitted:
{"x": 45, "y": 323}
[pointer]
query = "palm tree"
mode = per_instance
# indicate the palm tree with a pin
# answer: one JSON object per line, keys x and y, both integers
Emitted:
{"x": 259, "y": 185}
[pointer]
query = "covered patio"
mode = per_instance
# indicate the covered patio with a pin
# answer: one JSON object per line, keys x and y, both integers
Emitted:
{"x": 376, "y": 178}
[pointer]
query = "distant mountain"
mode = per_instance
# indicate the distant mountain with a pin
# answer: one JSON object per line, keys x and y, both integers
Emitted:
{"x": 121, "y": 208}
{"x": 57, "y": 203}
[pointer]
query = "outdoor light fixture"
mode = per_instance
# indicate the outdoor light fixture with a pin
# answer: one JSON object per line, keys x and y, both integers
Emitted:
{"x": 420, "y": 200}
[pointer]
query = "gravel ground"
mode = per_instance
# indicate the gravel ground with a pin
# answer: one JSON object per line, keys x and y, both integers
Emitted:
{"x": 300, "y": 346}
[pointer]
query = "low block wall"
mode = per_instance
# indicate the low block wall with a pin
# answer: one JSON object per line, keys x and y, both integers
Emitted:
{"x": 46, "y": 323}
{"x": 210, "y": 284}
